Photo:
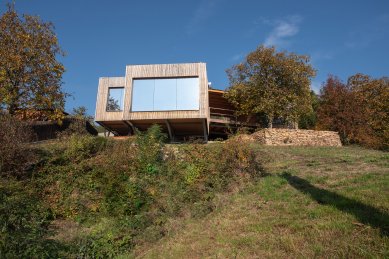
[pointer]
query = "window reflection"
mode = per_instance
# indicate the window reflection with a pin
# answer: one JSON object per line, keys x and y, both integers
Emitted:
{"x": 165, "y": 94}
{"x": 188, "y": 94}
{"x": 115, "y": 99}
{"x": 143, "y": 95}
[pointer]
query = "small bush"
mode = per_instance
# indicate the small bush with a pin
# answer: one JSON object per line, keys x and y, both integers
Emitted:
{"x": 124, "y": 196}
{"x": 83, "y": 146}
{"x": 106, "y": 242}
{"x": 24, "y": 221}
{"x": 14, "y": 153}
{"x": 149, "y": 145}
{"x": 192, "y": 172}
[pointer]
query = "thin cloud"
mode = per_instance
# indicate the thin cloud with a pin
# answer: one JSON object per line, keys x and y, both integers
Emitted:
{"x": 237, "y": 57}
{"x": 282, "y": 31}
{"x": 203, "y": 12}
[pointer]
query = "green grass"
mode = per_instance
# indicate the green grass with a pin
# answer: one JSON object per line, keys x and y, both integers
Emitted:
{"x": 314, "y": 202}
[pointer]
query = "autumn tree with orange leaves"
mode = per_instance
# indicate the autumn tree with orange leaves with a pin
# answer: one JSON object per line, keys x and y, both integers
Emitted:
{"x": 30, "y": 74}
{"x": 358, "y": 110}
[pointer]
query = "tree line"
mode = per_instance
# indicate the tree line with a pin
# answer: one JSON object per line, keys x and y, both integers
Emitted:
{"x": 276, "y": 85}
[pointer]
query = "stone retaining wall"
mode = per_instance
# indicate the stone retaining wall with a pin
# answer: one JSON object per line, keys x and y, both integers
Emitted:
{"x": 293, "y": 137}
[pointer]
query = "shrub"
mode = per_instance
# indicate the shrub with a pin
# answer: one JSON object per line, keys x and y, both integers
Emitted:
{"x": 14, "y": 153}
{"x": 23, "y": 223}
{"x": 123, "y": 196}
{"x": 83, "y": 146}
{"x": 192, "y": 172}
{"x": 78, "y": 123}
{"x": 149, "y": 145}
{"x": 111, "y": 237}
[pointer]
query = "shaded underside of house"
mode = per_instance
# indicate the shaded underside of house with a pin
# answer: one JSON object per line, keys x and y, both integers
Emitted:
{"x": 222, "y": 122}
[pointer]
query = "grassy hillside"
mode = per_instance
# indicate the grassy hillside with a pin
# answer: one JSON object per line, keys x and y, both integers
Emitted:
{"x": 89, "y": 197}
{"x": 314, "y": 202}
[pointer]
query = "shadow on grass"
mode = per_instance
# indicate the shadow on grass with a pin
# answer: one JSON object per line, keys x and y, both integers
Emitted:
{"x": 365, "y": 214}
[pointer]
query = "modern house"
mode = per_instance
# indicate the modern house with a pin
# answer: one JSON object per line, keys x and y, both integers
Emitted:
{"x": 175, "y": 96}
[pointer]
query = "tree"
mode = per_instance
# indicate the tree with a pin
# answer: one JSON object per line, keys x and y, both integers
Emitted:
{"x": 276, "y": 84}
{"x": 113, "y": 105}
{"x": 30, "y": 74}
{"x": 309, "y": 120}
{"x": 80, "y": 121}
{"x": 358, "y": 110}
{"x": 80, "y": 113}
{"x": 336, "y": 111}
{"x": 373, "y": 96}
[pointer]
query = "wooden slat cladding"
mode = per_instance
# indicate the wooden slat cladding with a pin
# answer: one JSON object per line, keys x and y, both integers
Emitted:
{"x": 152, "y": 71}
{"x": 166, "y": 71}
{"x": 218, "y": 103}
{"x": 102, "y": 97}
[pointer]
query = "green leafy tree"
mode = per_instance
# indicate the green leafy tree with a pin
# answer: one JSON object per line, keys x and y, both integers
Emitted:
{"x": 80, "y": 112}
{"x": 273, "y": 83}
{"x": 30, "y": 74}
{"x": 309, "y": 120}
{"x": 80, "y": 121}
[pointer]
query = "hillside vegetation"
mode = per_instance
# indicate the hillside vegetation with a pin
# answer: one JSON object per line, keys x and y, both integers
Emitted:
{"x": 90, "y": 197}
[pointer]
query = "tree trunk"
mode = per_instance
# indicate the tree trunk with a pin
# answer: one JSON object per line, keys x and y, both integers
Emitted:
{"x": 13, "y": 100}
{"x": 295, "y": 125}
{"x": 270, "y": 121}
{"x": 12, "y": 109}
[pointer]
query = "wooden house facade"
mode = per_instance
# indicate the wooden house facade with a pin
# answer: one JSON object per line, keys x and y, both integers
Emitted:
{"x": 175, "y": 96}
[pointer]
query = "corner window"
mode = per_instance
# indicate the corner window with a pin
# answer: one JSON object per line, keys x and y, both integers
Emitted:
{"x": 115, "y": 99}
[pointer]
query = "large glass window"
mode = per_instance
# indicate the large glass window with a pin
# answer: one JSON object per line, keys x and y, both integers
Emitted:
{"x": 165, "y": 94}
{"x": 188, "y": 94}
{"x": 143, "y": 95}
{"x": 115, "y": 99}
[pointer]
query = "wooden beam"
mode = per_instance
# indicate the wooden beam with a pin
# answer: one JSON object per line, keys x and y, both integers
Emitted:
{"x": 133, "y": 128}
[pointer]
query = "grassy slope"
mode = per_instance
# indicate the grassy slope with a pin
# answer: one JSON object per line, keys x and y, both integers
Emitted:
{"x": 325, "y": 202}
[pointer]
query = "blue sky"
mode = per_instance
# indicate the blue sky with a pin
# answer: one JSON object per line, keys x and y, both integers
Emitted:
{"x": 100, "y": 37}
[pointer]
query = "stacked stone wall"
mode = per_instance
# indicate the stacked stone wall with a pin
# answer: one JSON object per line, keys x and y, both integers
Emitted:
{"x": 292, "y": 137}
